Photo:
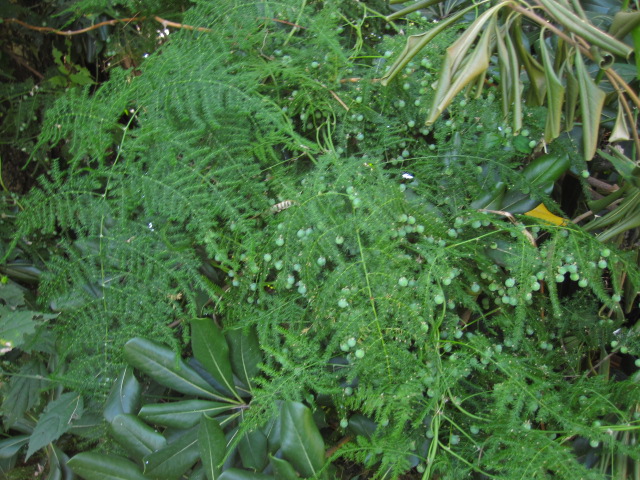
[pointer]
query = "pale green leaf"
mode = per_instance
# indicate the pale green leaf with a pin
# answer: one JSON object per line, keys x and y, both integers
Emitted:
{"x": 55, "y": 420}
{"x": 555, "y": 97}
{"x": 10, "y": 446}
{"x": 591, "y": 103}
{"x": 620, "y": 130}
{"x": 100, "y": 466}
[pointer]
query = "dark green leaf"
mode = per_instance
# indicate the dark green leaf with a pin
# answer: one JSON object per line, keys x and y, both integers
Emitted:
{"x": 10, "y": 446}
{"x": 171, "y": 462}
{"x": 245, "y": 354}
{"x": 211, "y": 350}
{"x": 24, "y": 391}
{"x": 14, "y": 325}
{"x": 213, "y": 446}
{"x": 168, "y": 369}
{"x": 302, "y": 442}
{"x": 183, "y": 414}
{"x": 253, "y": 450}
{"x": 283, "y": 469}
{"x": 137, "y": 438}
{"x": 55, "y": 420}
{"x": 124, "y": 396}
{"x": 237, "y": 474}
{"x": 100, "y": 466}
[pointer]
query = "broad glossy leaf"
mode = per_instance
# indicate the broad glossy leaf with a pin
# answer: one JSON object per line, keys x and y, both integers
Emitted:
{"x": 282, "y": 469}
{"x": 302, "y": 443}
{"x": 625, "y": 167}
{"x": 213, "y": 446}
{"x": 165, "y": 367}
{"x": 493, "y": 199}
{"x": 237, "y": 474}
{"x": 171, "y": 462}
{"x": 58, "y": 464}
{"x": 412, "y": 8}
{"x": 245, "y": 354}
{"x": 55, "y": 420}
{"x": 362, "y": 425}
{"x": 535, "y": 71}
{"x": 101, "y": 466}
{"x": 211, "y": 350}
{"x": 10, "y": 446}
{"x": 591, "y": 102}
{"x": 137, "y": 438}
{"x": 183, "y": 414}
{"x": 253, "y": 450}
{"x": 124, "y": 396}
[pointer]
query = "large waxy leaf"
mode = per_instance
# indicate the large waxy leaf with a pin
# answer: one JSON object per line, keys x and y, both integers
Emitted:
{"x": 183, "y": 414}
{"x": 620, "y": 130}
{"x": 541, "y": 173}
{"x": 510, "y": 76}
{"x": 283, "y": 469}
{"x": 535, "y": 71}
{"x": 245, "y": 354}
{"x": 100, "y": 466}
{"x": 591, "y": 102}
{"x": 124, "y": 396}
{"x": 302, "y": 442}
{"x": 171, "y": 462}
{"x": 137, "y": 438}
{"x": 253, "y": 450}
{"x": 211, "y": 350}
{"x": 212, "y": 445}
{"x": 237, "y": 474}
{"x": 55, "y": 420}
{"x": 168, "y": 369}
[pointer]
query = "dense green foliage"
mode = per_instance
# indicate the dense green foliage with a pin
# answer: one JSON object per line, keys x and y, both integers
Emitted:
{"x": 262, "y": 178}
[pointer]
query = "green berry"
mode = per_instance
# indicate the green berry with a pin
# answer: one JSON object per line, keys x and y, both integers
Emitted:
{"x": 344, "y": 347}
{"x": 315, "y": 64}
{"x": 605, "y": 252}
{"x": 583, "y": 283}
{"x": 267, "y": 257}
{"x": 602, "y": 264}
{"x": 348, "y": 391}
{"x": 351, "y": 342}
{"x": 344, "y": 423}
{"x": 594, "y": 443}
{"x": 321, "y": 261}
{"x": 559, "y": 278}
{"x": 403, "y": 282}
{"x": 439, "y": 299}
{"x": 510, "y": 282}
{"x": 279, "y": 241}
{"x": 342, "y": 303}
{"x": 359, "y": 353}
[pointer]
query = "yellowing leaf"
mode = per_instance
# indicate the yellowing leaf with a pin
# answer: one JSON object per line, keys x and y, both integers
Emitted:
{"x": 543, "y": 213}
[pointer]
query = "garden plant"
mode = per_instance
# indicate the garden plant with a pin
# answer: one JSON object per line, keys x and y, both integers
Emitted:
{"x": 321, "y": 239}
